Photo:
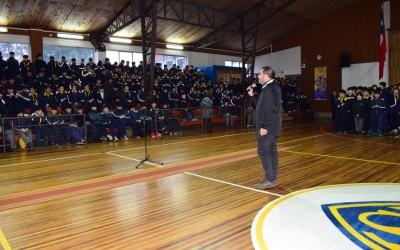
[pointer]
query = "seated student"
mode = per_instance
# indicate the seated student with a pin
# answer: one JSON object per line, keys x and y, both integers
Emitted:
{"x": 87, "y": 96}
{"x": 72, "y": 128}
{"x": 22, "y": 128}
{"x": 225, "y": 111}
{"x": 167, "y": 118}
{"x": 110, "y": 122}
{"x": 146, "y": 120}
{"x": 34, "y": 101}
{"x": 82, "y": 123}
{"x": 96, "y": 120}
{"x": 55, "y": 121}
{"x": 378, "y": 106}
{"x": 359, "y": 111}
{"x": 102, "y": 98}
{"x": 155, "y": 117}
{"x": 62, "y": 98}
{"x": 47, "y": 99}
{"x": 341, "y": 119}
{"x": 74, "y": 98}
{"x": 120, "y": 119}
{"x": 37, "y": 128}
{"x": 6, "y": 131}
{"x": 132, "y": 120}
{"x": 187, "y": 114}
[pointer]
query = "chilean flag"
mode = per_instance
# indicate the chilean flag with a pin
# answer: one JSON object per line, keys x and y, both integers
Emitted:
{"x": 382, "y": 48}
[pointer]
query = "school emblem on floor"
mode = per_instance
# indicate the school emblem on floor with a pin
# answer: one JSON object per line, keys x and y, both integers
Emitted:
{"x": 350, "y": 216}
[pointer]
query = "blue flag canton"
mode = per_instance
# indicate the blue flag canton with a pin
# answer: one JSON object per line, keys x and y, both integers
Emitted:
{"x": 370, "y": 225}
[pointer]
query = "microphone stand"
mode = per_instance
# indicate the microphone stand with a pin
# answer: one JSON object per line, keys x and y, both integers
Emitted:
{"x": 147, "y": 157}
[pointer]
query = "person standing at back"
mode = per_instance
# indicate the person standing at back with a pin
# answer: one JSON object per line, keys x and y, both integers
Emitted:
{"x": 268, "y": 125}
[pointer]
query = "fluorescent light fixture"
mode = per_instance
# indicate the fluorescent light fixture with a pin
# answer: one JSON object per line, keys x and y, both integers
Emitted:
{"x": 120, "y": 40}
{"x": 2, "y": 29}
{"x": 69, "y": 36}
{"x": 170, "y": 46}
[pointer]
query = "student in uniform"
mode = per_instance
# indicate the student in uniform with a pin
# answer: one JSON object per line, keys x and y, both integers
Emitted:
{"x": 367, "y": 117}
{"x": 378, "y": 106}
{"x": 120, "y": 118}
{"x": 342, "y": 107}
{"x": 225, "y": 111}
{"x": 168, "y": 119}
{"x": 147, "y": 120}
{"x": 110, "y": 122}
{"x": 96, "y": 120}
{"x": 71, "y": 127}
{"x": 55, "y": 121}
{"x": 22, "y": 127}
{"x": 132, "y": 119}
{"x": 359, "y": 110}
{"x": 350, "y": 98}
{"x": 394, "y": 110}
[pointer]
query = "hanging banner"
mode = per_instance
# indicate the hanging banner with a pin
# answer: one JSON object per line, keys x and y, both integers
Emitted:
{"x": 320, "y": 83}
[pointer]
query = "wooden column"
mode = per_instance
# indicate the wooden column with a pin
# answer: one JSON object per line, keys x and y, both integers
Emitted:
{"x": 36, "y": 40}
{"x": 394, "y": 57}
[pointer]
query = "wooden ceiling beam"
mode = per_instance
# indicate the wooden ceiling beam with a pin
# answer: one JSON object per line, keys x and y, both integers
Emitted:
{"x": 248, "y": 24}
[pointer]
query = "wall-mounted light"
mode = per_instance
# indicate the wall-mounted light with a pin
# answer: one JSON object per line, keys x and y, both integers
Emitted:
{"x": 171, "y": 46}
{"x": 70, "y": 36}
{"x": 303, "y": 65}
{"x": 2, "y": 29}
{"x": 120, "y": 40}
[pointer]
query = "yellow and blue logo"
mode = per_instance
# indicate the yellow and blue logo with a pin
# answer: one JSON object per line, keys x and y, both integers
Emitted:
{"x": 370, "y": 225}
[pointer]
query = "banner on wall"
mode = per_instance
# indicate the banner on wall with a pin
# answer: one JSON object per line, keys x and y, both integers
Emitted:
{"x": 320, "y": 83}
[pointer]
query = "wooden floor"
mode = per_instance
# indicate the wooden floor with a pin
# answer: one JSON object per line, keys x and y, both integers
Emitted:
{"x": 202, "y": 198}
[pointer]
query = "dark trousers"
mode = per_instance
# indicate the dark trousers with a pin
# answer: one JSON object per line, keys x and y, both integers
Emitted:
{"x": 268, "y": 152}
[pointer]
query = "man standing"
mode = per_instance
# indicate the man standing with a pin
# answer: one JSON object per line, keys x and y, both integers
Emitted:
{"x": 268, "y": 125}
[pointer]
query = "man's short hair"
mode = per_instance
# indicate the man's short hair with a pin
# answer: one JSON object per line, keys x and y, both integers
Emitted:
{"x": 268, "y": 71}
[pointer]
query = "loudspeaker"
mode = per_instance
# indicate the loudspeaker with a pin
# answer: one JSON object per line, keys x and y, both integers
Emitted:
{"x": 345, "y": 60}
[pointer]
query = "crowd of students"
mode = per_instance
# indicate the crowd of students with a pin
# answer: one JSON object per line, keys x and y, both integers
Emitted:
{"x": 362, "y": 110}
{"x": 111, "y": 95}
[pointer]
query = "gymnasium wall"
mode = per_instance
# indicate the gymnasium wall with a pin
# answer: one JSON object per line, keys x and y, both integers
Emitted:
{"x": 354, "y": 30}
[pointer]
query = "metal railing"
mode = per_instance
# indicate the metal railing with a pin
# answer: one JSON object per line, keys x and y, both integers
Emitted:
{"x": 44, "y": 134}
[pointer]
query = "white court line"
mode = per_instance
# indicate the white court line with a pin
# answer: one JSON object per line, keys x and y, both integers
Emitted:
{"x": 235, "y": 185}
{"x": 133, "y": 159}
{"x": 121, "y": 150}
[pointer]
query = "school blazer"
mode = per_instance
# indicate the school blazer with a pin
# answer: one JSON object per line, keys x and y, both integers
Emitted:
{"x": 268, "y": 110}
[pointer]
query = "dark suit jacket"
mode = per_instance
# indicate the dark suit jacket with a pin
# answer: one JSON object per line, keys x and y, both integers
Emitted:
{"x": 268, "y": 111}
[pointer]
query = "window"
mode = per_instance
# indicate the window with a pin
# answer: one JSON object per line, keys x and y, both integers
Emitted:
{"x": 118, "y": 56}
{"x": 236, "y": 64}
{"x": 68, "y": 52}
{"x": 169, "y": 60}
{"x": 18, "y": 48}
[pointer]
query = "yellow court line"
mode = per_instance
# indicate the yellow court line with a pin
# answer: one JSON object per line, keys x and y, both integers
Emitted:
{"x": 305, "y": 138}
{"x": 4, "y": 241}
{"x": 343, "y": 158}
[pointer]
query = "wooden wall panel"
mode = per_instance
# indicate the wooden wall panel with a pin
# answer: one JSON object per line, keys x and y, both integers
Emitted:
{"x": 395, "y": 15}
{"x": 394, "y": 57}
{"x": 354, "y": 30}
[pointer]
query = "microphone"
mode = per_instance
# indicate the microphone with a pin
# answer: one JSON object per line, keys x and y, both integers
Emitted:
{"x": 252, "y": 86}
